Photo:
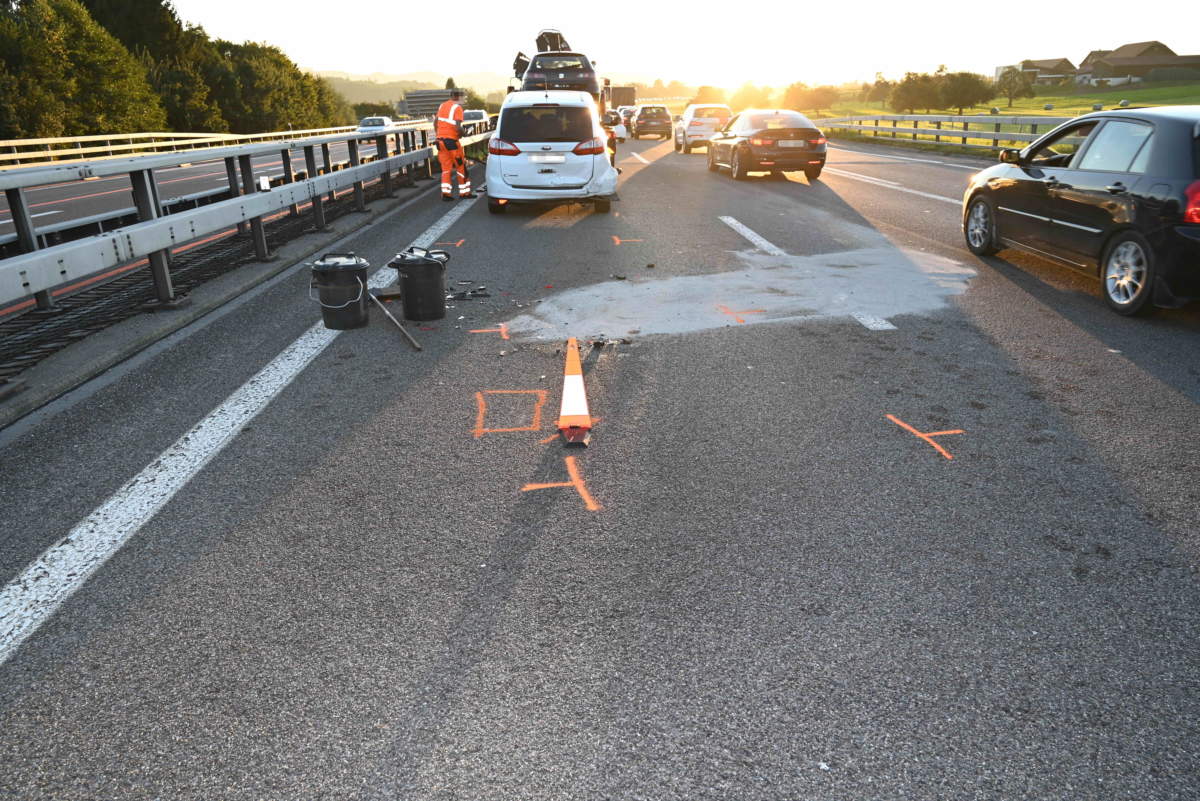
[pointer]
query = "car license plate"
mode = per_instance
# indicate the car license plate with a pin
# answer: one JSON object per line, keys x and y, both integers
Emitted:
{"x": 547, "y": 158}
{"x": 792, "y": 143}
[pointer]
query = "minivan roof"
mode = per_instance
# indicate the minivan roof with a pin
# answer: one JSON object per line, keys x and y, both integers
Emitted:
{"x": 563, "y": 97}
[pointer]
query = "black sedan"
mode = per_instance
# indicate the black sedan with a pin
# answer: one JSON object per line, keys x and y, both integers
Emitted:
{"x": 1115, "y": 194}
{"x": 774, "y": 141}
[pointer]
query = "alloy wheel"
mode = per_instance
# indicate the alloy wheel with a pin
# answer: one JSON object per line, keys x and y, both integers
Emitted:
{"x": 1125, "y": 273}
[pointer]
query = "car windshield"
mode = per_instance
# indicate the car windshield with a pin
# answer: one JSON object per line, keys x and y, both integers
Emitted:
{"x": 781, "y": 119}
{"x": 545, "y": 124}
{"x": 711, "y": 112}
{"x": 372, "y": 121}
{"x": 560, "y": 63}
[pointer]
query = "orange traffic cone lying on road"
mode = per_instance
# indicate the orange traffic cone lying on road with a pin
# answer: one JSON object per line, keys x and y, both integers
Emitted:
{"x": 574, "y": 421}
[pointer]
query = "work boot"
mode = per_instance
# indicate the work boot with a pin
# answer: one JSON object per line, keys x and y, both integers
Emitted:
{"x": 468, "y": 195}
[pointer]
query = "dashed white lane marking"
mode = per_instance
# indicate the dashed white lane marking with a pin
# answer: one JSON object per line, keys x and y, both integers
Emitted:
{"x": 640, "y": 157}
{"x": 891, "y": 185}
{"x": 754, "y": 239}
{"x": 868, "y": 320}
{"x": 31, "y": 598}
{"x": 39, "y": 214}
{"x": 872, "y": 322}
{"x": 909, "y": 158}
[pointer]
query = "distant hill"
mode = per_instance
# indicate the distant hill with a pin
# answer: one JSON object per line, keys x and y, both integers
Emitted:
{"x": 382, "y": 88}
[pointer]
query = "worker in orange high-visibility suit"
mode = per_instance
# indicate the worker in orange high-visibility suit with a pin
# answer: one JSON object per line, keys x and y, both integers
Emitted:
{"x": 448, "y": 130}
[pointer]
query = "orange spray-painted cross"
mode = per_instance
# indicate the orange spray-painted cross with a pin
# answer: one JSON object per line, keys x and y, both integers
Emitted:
{"x": 502, "y": 331}
{"x": 928, "y": 435}
{"x": 576, "y": 482}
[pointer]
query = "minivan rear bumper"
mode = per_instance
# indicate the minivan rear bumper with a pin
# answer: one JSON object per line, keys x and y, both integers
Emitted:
{"x": 603, "y": 184}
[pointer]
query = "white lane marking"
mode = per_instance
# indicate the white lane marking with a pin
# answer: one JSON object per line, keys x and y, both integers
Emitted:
{"x": 39, "y": 214}
{"x": 31, "y": 598}
{"x": 872, "y": 322}
{"x": 754, "y": 239}
{"x": 872, "y": 178}
{"x": 908, "y": 158}
{"x": 891, "y": 185}
{"x": 639, "y": 157}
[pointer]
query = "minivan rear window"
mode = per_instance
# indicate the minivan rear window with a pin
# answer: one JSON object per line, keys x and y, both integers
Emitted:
{"x": 545, "y": 124}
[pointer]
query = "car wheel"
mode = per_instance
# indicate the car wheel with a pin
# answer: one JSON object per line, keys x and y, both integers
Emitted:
{"x": 980, "y": 227}
{"x": 678, "y": 147}
{"x": 603, "y": 206}
{"x": 712, "y": 159}
{"x": 737, "y": 168}
{"x": 687, "y": 146}
{"x": 496, "y": 207}
{"x": 812, "y": 173}
{"x": 1127, "y": 270}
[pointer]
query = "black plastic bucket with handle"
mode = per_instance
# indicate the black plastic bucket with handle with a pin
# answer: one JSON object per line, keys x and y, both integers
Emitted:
{"x": 422, "y": 282}
{"x": 340, "y": 280}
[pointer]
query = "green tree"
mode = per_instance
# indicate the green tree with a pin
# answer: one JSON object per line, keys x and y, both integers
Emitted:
{"x": 917, "y": 90}
{"x": 63, "y": 75}
{"x": 373, "y": 110}
{"x": 1014, "y": 83}
{"x": 450, "y": 84}
{"x": 750, "y": 96}
{"x": 709, "y": 94}
{"x": 962, "y": 89}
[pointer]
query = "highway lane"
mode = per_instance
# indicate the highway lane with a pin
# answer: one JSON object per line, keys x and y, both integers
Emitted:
{"x": 784, "y": 594}
{"x": 57, "y": 203}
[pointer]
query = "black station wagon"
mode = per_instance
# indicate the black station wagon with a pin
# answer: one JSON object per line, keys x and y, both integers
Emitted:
{"x": 1115, "y": 194}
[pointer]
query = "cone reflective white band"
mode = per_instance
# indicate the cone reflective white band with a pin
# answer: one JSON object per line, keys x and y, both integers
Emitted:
{"x": 574, "y": 420}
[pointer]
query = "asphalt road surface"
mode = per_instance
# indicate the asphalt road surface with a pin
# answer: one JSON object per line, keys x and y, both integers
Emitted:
{"x": 863, "y": 517}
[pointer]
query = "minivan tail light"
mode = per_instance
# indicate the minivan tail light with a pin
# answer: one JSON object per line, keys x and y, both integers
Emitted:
{"x": 591, "y": 147}
{"x": 1191, "y": 211}
{"x": 498, "y": 147}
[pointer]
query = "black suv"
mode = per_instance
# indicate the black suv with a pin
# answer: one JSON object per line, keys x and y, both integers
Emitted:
{"x": 1115, "y": 194}
{"x": 651, "y": 120}
{"x": 570, "y": 71}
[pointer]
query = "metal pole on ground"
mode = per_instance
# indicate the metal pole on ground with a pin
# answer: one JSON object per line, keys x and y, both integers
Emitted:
{"x": 256, "y": 224}
{"x": 234, "y": 190}
{"x": 318, "y": 202}
{"x": 144, "y": 197}
{"x": 27, "y": 237}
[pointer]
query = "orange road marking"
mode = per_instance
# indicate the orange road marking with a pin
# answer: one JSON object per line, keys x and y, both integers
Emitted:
{"x": 619, "y": 241}
{"x": 576, "y": 482}
{"x": 737, "y": 314}
{"x": 927, "y": 436}
{"x": 457, "y": 244}
{"x": 502, "y": 331}
{"x": 481, "y": 402}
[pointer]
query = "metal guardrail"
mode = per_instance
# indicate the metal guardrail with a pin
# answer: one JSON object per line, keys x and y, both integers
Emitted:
{"x": 39, "y": 270}
{"x": 34, "y": 152}
{"x": 955, "y": 130}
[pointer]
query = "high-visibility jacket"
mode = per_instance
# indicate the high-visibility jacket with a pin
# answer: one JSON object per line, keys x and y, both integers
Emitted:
{"x": 449, "y": 114}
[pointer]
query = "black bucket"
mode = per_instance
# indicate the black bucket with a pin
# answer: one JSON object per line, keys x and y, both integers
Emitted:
{"x": 341, "y": 283}
{"x": 422, "y": 283}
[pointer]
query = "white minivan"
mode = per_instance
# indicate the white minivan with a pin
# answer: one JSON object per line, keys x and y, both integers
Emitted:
{"x": 549, "y": 145}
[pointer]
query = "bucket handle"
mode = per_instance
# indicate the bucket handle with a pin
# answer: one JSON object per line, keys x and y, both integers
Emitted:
{"x": 361, "y": 288}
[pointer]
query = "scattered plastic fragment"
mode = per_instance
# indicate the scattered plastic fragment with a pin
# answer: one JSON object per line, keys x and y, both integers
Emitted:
{"x": 650, "y": 266}
{"x": 822, "y": 766}
{"x": 618, "y": 277}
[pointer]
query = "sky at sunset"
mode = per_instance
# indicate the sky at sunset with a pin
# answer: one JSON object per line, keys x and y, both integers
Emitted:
{"x": 772, "y": 43}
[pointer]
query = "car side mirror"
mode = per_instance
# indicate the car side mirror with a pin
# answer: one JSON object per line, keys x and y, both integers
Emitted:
{"x": 1010, "y": 155}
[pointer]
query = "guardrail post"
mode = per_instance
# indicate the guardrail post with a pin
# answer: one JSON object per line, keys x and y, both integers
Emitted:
{"x": 231, "y": 176}
{"x": 289, "y": 177}
{"x": 328, "y": 168}
{"x": 318, "y": 202}
{"x": 27, "y": 238}
{"x": 938, "y": 137}
{"x": 256, "y": 224}
{"x": 405, "y": 172}
{"x": 894, "y": 129}
{"x": 876, "y": 134}
{"x": 148, "y": 208}
{"x": 429, "y": 161}
{"x": 965, "y": 126}
{"x": 360, "y": 197}
{"x": 1033, "y": 129}
{"x": 381, "y": 152}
